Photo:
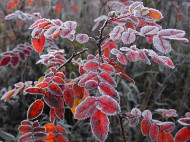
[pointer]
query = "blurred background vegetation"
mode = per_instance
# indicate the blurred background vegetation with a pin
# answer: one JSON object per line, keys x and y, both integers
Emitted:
{"x": 156, "y": 86}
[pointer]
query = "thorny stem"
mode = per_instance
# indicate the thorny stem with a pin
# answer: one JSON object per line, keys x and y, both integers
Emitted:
{"x": 122, "y": 128}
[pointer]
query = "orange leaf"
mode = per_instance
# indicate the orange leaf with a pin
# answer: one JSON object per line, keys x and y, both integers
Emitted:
{"x": 155, "y": 14}
{"x": 8, "y": 94}
{"x": 38, "y": 44}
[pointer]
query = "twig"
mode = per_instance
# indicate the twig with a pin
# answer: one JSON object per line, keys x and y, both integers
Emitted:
{"x": 73, "y": 55}
{"x": 122, "y": 128}
{"x": 100, "y": 39}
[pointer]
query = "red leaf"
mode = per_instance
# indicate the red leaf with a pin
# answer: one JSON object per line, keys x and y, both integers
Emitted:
{"x": 39, "y": 135}
{"x": 38, "y": 44}
{"x": 107, "y": 89}
{"x": 52, "y": 115}
{"x": 55, "y": 89}
{"x": 49, "y": 128}
{"x": 25, "y": 137}
{"x": 60, "y": 74}
{"x": 68, "y": 96}
{"x": 79, "y": 91}
{"x": 60, "y": 112}
{"x": 53, "y": 101}
{"x": 91, "y": 84}
{"x": 87, "y": 77}
{"x": 34, "y": 90}
{"x": 50, "y": 137}
{"x": 122, "y": 59}
{"x": 184, "y": 121}
{"x": 107, "y": 105}
{"x": 183, "y": 135}
{"x": 91, "y": 66}
{"x": 168, "y": 62}
{"x": 145, "y": 126}
{"x": 143, "y": 57}
{"x": 39, "y": 129}
{"x": 99, "y": 125}
{"x": 42, "y": 85}
{"x": 25, "y": 122}
{"x": 14, "y": 61}
{"x": 35, "y": 109}
{"x": 60, "y": 138}
{"x": 169, "y": 137}
{"x": 35, "y": 124}
{"x": 167, "y": 127}
{"x": 25, "y": 128}
{"x": 162, "y": 137}
{"x": 108, "y": 78}
{"x": 107, "y": 67}
{"x": 5, "y": 61}
{"x": 153, "y": 132}
{"x": 58, "y": 80}
{"x": 86, "y": 108}
{"x": 124, "y": 75}
{"x": 60, "y": 129}
{"x": 22, "y": 56}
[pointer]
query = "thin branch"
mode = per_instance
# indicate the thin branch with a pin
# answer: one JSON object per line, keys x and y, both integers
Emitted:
{"x": 73, "y": 56}
{"x": 122, "y": 128}
{"x": 100, "y": 39}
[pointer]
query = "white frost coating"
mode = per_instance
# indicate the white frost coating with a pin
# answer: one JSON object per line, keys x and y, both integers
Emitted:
{"x": 149, "y": 30}
{"x": 147, "y": 114}
{"x": 173, "y": 33}
{"x": 115, "y": 51}
{"x": 161, "y": 45}
{"x": 116, "y": 33}
{"x": 82, "y": 38}
{"x": 136, "y": 112}
{"x": 133, "y": 122}
{"x": 102, "y": 17}
{"x": 128, "y": 37}
{"x": 52, "y": 31}
{"x": 117, "y": 6}
{"x": 71, "y": 25}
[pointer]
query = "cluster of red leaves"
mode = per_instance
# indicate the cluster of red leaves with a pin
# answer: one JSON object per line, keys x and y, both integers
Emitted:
{"x": 133, "y": 20}
{"x": 19, "y": 53}
{"x": 46, "y": 28}
{"x": 32, "y": 131}
{"x": 12, "y": 4}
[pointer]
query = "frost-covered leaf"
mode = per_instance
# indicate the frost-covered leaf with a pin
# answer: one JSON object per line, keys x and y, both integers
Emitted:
{"x": 161, "y": 45}
{"x": 117, "y": 6}
{"x": 183, "y": 135}
{"x": 149, "y": 30}
{"x": 107, "y": 89}
{"x": 91, "y": 84}
{"x": 184, "y": 121}
{"x": 99, "y": 125}
{"x": 128, "y": 37}
{"x": 136, "y": 112}
{"x": 145, "y": 126}
{"x": 35, "y": 109}
{"x": 153, "y": 132}
{"x": 71, "y": 25}
{"x": 86, "y": 108}
{"x": 167, "y": 127}
{"x": 51, "y": 31}
{"x": 82, "y": 38}
{"x": 105, "y": 76}
{"x": 147, "y": 114}
{"x": 107, "y": 105}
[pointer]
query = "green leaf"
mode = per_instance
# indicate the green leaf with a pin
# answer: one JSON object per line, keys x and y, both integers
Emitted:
{"x": 6, "y": 136}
